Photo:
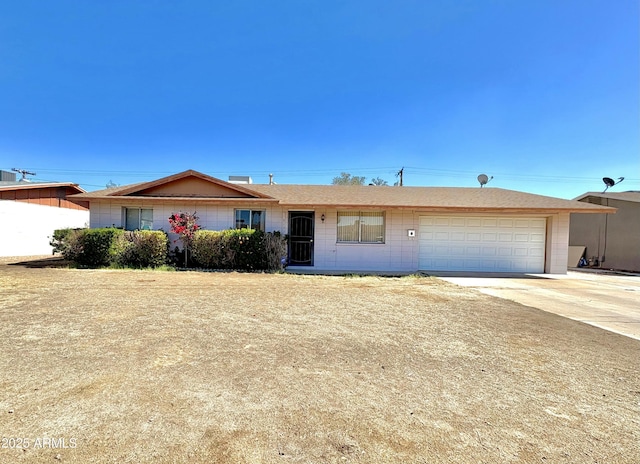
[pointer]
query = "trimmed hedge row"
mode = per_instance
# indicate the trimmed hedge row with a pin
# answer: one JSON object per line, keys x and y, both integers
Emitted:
{"x": 142, "y": 248}
{"x": 241, "y": 249}
{"x": 107, "y": 246}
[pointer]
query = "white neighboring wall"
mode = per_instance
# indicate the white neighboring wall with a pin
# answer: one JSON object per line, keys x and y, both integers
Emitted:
{"x": 27, "y": 228}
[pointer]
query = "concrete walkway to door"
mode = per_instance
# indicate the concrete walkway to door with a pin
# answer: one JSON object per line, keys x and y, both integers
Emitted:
{"x": 609, "y": 301}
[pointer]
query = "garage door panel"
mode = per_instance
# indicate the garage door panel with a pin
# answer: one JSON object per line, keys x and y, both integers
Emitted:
{"x": 518, "y": 251}
{"x": 473, "y": 263}
{"x": 537, "y": 238}
{"x": 497, "y": 244}
{"x": 505, "y": 251}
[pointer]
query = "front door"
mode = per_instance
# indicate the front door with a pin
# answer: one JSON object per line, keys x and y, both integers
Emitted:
{"x": 301, "y": 238}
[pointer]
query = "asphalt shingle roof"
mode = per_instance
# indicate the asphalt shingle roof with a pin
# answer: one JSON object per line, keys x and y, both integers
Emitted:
{"x": 457, "y": 199}
{"x": 420, "y": 198}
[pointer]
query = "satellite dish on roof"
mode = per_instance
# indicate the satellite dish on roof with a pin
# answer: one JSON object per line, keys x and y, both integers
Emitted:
{"x": 484, "y": 179}
{"x": 609, "y": 182}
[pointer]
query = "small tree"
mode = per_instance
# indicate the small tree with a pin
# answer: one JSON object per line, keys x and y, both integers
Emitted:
{"x": 185, "y": 225}
{"x": 347, "y": 179}
{"x": 378, "y": 181}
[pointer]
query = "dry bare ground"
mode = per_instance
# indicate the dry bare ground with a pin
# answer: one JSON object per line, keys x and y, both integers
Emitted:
{"x": 138, "y": 366}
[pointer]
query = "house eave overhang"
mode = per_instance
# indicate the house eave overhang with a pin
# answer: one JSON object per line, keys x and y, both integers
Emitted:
{"x": 168, "y": 199}
{"x": 28, "y": 186}
{"x": 451, "y": 209}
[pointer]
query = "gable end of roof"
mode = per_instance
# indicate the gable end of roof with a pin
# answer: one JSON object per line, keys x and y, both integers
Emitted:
{"x": 187, "y": 184}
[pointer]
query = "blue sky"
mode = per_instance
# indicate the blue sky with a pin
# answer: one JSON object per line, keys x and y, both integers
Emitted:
{"x": 543, "y": 95}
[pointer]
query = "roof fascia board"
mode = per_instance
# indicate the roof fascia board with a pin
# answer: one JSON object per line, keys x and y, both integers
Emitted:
{"x": 150, "y": 200}
{"x": 456, "y": 209}
{"x": 26, "y": 186}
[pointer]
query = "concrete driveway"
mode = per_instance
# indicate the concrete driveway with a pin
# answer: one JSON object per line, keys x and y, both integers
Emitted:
{"x": 609, "y": 301}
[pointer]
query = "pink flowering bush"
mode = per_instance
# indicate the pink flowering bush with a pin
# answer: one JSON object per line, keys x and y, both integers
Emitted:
{"x": 185, "y": 225}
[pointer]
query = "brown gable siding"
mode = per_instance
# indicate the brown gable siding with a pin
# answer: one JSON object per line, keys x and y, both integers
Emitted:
{"x": 47, "y": 196}
{"x": 192, "y": 186}
{"x": 230, "y": 190}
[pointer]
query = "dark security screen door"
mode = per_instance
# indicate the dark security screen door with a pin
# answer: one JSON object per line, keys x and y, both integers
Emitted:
{"x": 301, "y": 238}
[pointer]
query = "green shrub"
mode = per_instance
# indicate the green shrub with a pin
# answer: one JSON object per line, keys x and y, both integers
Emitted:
{"x": 60, "y": 241}
{"x": 208, "y": 249}
{"x": 97, "y": 247}
{"x": 141, "y": 248}
{"x": 242, "y": 249}
{"x": 275, "y": 248}
{"x": 73, "y": 247}
{"x": 248, "y": 249}
{"x": 68, "y": 242}
{"x": 221, "y": 249}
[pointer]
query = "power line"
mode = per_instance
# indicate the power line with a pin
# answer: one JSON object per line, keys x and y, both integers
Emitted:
{"x": 415, "y": 171}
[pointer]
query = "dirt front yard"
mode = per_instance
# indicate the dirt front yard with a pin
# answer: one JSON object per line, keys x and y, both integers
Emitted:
{"x": 138, "y": 366}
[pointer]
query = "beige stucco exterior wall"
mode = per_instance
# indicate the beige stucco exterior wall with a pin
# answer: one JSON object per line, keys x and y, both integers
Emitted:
{"x": 557, "y": 248}
{"x": 399, "y": 253}
{"x": 612, "y": 237}
{"x": 212, "y": 217}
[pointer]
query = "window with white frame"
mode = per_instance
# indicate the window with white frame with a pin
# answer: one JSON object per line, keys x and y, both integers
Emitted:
{"x": 360, "y": 227}
{"x": 138, "y": 218}
{"x": 250, "y": 219}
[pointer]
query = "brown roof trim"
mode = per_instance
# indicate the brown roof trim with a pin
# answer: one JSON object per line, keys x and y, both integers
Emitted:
{"x": 148, "y": 199}
{"x": 454, "y": 209}
{"x": 35, "y": 185}
{"x": 131, "y": 189}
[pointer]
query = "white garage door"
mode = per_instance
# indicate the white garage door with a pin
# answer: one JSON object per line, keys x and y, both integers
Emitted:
{"x": 490, "y": 244}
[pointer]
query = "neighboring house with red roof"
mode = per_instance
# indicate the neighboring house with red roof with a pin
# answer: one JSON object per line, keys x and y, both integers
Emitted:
{"x": 363, "y": 228}
{"x": 613, "y": 241}
{"x": 32, "y": 210}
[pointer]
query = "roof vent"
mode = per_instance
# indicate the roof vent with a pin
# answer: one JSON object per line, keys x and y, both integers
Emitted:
{"x": 240, "y": 180}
